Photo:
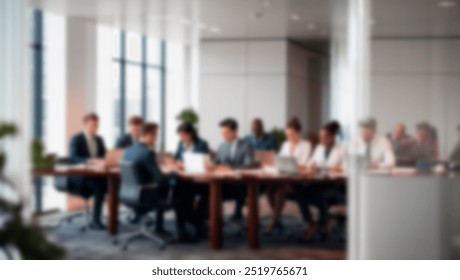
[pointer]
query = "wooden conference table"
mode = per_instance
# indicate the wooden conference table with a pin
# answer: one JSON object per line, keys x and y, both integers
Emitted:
{"x": 251, "y": 178}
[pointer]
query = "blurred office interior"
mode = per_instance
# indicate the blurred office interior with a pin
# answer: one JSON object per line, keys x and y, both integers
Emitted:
{"x": 394, "y": 61}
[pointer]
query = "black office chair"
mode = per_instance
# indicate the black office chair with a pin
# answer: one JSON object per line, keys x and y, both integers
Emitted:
{"x": 63, "y": 184}
{"x": 137, "y": 196}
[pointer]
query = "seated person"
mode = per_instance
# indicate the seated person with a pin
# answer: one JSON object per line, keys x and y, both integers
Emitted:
{"x": 375, "y": 149}
{"x": 401, "y": 144}
{"x": 260, "y": 140}
{"x": 455, "y": 156}
{"x": 328, "y": 155}
{"x": 300, "y": 149}
{"x": 234, "y": 153}
{"x": 85, "y": 147}
{"x": 135, "y": 126}
{"x": 149, "y": 172}
{"x": 425, "y": 147}
{"x": 189, "y": 142}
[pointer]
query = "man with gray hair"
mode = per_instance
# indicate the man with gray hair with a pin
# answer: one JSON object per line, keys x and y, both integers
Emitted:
{"x": 402, "y": 144}
{"x": 376, "y": 149}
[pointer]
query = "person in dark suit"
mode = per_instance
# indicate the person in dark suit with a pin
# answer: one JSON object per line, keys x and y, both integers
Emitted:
{"x": 234, "y": 153}
{"x": 260, "y": 140}
{"x": 85, "y": 147}
{"x": 135, "y": 126}
{"x": 149, "y": 172}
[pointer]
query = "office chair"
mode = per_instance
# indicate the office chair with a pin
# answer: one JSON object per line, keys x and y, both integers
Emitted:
{"x": 137, "y": 196}
{"x": 62, "y": 184}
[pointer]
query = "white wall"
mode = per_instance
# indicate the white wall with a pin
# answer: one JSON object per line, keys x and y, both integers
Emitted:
{"x": 81, "y": 72}
{"x": 271, "y": 79}
{"x": 417, "y": 80}
{"x": 242, "y": 79}
{"x": 307, "y": 87}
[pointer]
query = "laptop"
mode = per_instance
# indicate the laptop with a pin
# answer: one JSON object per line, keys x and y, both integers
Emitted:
{"x": 287, "y": 165}
{"x": 195, "y": 163}
{"x": 265, "y": 158}
{"x": 113, "y": 157}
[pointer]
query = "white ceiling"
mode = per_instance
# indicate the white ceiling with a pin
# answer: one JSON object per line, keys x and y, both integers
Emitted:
{"x": 295, "y": 19}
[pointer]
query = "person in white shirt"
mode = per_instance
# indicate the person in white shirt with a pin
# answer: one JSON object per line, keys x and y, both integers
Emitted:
{"x": 376, "y": 149}
{"x": 298, "y": 148}
{"x": 328, "y": 156}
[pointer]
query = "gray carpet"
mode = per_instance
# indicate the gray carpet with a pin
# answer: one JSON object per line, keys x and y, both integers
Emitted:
{"x": 93, "y": 245}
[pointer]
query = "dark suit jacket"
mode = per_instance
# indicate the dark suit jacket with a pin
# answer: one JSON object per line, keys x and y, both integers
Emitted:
{"x": 243, "y": 157}
{"x": 79, "y": 151}
{"x": 146, "y": 165}
{"x": 124, "y": 141}
{"x": 200, "y": 147}
{"x": 264, "y": 143}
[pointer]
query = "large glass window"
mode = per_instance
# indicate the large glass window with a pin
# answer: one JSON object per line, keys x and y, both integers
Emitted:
{"x": 138, "y": 69}
{"x": 48, "y": 85}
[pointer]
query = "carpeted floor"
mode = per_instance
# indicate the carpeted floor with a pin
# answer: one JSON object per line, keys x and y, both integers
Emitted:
{"x": 92, "y": 245}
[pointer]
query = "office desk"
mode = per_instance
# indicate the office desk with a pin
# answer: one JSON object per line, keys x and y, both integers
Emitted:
{"x": 251, "y": 178}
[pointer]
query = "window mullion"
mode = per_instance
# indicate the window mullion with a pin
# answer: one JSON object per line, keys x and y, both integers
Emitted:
{"x": 144, "y": 79}
{"x": 122, "y": 81}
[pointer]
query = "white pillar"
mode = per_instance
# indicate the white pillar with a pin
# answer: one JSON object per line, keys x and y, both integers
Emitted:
{"x": 16, "y": 94}
{"x": 81, "y": 72}
{"x": 350, "y": 94}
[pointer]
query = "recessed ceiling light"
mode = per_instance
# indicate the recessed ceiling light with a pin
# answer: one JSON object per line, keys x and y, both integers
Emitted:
{"x": 311, "y": 26}
{"x": 447, "y": 4}
{"x": 295, "y": 17}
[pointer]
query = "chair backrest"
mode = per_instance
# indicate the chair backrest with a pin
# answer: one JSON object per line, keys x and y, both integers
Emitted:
{"x": 62, "y": 183}
{"x": 130, "y": 187}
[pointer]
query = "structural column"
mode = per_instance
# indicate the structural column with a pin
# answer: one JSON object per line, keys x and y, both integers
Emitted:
{"x": 16, "y": 95}
{"x": 350, "y": 94}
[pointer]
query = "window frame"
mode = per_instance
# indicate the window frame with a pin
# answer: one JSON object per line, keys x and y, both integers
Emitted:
{"x": 123, "y": 61}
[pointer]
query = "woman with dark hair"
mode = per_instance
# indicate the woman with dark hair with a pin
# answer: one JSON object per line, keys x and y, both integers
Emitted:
{"x": 300, "y": 149}
{"x": 189, "y": 142}
{"x": 329, "y": 156}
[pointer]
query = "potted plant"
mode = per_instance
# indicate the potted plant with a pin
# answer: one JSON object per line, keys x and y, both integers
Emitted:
{"x": 278, "y": 135}
{"x": 189, "y": 115}
{"x": 17, "y": 238}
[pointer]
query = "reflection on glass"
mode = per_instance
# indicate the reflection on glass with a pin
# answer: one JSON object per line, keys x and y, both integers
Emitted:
{"x": 153, "y": 52}
{"x": 133, "y": 91}
{"x": 133, "y": 47}
{"x": 153, "y": 95}
{"x": 116, "y": 99}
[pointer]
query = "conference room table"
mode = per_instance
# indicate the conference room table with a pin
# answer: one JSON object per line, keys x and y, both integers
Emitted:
{"x": 251, "y": 178}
